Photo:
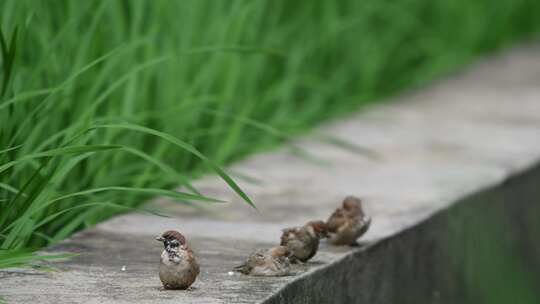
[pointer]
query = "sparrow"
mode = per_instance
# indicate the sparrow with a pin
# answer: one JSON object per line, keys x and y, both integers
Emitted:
{"x": 348, "y": 223}
{"x": 303, "y": 242}
{"x": 351, "y": 230}
{"x": 178, "y": 268}
{"x": 272, "y": 262}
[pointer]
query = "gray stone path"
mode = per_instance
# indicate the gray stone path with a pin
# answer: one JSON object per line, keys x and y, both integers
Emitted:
{"x": 433, "y": 147}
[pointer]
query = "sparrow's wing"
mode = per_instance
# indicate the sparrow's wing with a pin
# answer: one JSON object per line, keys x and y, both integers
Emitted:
{"x": 361, "y": 212}
{"x": 311, "y": 243}
{"x": 355, "y": 213}
{"x": 260, "y": 253}
{"x": 193, "y": 262}
{"x": 280, "y": 264}
{"x": 346, "y": 234}
{"x": 194, "y": 268}
{"x": 303, "y": 235}
{"x": 302, "y": 244}
{"x": 253, "y": 260}
{"x": 285, "y": 236}
{"x": 289, "y": 235}
{"x": 363, "y": 226}
{"x": 259, "y": 259}
{"x": 335, "y": 220}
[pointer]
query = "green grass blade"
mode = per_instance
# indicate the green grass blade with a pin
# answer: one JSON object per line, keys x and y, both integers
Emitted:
{"x": 347, "y": 145}
{"x": 8, "y": 58}
{"x": 59, "y": 152}
{"x": 181, "y": 196}
{"x": 185, "y": 146}
{"x": 102, "y": 204}
{"x": 10, "y": 149}
{"x": 149, "y": 191}
{"x": 13, "y": 258}
{"x": 164, "y": 167}
{"x": 10, "y": 188}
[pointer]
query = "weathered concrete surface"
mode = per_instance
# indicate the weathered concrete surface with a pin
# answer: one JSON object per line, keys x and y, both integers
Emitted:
{"x": 443, "y": 157}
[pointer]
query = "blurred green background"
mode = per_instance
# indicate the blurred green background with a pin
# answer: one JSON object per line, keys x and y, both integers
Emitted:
{"x": 106, "y": 103}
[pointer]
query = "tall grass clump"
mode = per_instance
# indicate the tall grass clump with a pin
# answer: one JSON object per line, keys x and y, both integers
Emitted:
{"x": 105, "y": 103}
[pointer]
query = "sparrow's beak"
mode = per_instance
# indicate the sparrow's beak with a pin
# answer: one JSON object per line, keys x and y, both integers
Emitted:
{"x": 160, "y": 239}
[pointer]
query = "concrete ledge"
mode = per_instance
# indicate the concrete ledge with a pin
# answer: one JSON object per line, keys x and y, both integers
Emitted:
{"x": 472, "y": 252}
{"x": 454, "y": 179}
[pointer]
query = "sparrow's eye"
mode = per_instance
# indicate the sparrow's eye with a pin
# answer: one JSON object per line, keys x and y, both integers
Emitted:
{"x": 174, "y": 243}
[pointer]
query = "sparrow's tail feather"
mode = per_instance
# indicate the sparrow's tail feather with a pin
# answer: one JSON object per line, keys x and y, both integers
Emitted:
{"x": 244, "y": 268}
{"x": 365, "y": 226}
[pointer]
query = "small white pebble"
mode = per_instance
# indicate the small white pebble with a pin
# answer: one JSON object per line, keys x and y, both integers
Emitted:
{"x": 124, "y": 268}
{"x": 231, "y": 273}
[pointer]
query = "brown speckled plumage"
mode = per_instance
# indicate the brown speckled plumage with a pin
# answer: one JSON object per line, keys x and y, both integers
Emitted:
{"x": 270, "y": 263}
{"x": 348, "y": 223}
{"x": 303, "y": 241}
{"x": 178, "y": 268}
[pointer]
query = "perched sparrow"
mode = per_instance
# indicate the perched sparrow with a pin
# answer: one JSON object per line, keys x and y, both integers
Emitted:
{"x": 178, "y": 268}
{"x": 269, "y": 263}
{"x": 351, "y": 230}
{"x": 303, "y": 242}
{"x": 348, "y": 223}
